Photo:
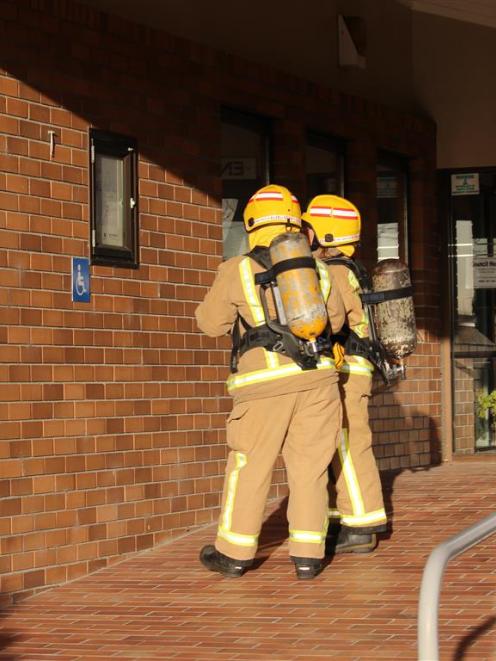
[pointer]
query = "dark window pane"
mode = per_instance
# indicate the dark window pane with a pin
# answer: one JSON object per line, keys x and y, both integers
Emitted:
{"x": 113, "y": 199}
{"x": 392, "y": 207}
{"x": 245, "y": 168}
{"x": 324, "y": 166}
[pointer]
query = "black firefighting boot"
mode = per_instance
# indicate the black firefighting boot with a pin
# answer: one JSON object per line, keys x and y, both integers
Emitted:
{"x": 217, "y": 561}
{"x": 307, "y": 568}
{"x": 350, "y": 541}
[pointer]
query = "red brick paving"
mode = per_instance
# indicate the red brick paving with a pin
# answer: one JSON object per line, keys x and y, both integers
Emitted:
{"x": 163, "y": 605}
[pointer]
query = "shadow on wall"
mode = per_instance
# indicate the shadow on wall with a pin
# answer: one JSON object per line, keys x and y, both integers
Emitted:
{"x": 107, "y": 73}
{"x": 413, "y": 445}
{"x": 116, "y": 76}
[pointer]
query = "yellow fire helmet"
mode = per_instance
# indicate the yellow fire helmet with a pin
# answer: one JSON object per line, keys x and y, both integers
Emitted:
{"x": 335, "y": 221}
{"x": 272, "y": 205}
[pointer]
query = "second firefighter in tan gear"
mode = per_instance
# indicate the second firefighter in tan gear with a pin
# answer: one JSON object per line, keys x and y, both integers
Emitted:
{"x": 334, "y": 225}
{"x": 277, "y": 405}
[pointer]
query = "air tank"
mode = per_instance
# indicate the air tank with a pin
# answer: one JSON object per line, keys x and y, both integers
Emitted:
{"x": 394, "y": 319}
{"x": 299, "y": 288}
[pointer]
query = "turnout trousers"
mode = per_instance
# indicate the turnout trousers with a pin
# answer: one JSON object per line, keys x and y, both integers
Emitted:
{"x": 357, "y": 501}
{"x": 305, "y": 426}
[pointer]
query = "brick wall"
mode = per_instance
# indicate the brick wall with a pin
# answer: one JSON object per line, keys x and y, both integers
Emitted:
{"x": 112, "y": 412}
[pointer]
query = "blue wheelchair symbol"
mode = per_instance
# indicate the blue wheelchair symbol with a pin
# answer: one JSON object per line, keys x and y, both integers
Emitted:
{"x": 81, "y": 279}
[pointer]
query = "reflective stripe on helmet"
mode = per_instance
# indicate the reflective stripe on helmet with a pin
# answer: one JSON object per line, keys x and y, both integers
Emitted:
{"x": 272, "y": 205}
{"x": 334, "y": 220}
{"x": 277, "y": 218}
{"x": 324, "y": 212}
{"x": 350, "y": 238}
{"x": 267, "y": 196}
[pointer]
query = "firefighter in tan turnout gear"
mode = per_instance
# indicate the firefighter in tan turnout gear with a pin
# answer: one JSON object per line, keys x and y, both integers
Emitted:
{"x": 332, "y": 225}
{"x": 285, "y": 391}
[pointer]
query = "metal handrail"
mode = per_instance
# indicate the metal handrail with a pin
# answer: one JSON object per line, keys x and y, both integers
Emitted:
{"x": 428, "y": 609}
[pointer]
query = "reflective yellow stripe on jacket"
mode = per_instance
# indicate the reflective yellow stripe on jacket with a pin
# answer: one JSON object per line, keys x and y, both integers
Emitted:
{"x": 361, "y": 329}
{"x": 255, "y": 305}
{"x": 274, "y": 369}
{"x": 325, "y": 283}
{"x": 358, "y": 365}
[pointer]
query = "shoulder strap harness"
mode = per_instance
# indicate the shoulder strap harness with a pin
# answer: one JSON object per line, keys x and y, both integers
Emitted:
{"x": 274, "y": 335}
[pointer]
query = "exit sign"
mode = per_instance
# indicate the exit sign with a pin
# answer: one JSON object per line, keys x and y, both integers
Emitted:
{"x": 239, "y": 168}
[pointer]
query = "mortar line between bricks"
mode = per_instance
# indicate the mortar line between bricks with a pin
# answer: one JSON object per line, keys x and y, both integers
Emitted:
{"x": 132, "y": 555}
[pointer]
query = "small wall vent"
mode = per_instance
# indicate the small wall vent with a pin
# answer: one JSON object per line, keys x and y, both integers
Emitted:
{"x": 352, "y": 42}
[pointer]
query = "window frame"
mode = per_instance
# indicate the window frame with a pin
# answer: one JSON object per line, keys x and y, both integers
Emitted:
{"x": 400, "y": 163}
{"x": 125, "y": 148}
{"x": 259, "y": 124}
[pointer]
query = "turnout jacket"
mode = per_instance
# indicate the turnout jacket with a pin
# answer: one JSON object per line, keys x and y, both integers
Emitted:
{"x": 263, "y": 373}
{"x": 356, "y": 319}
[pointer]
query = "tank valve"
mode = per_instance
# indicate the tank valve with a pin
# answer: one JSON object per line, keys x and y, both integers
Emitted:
{"x": 395, "y": 372}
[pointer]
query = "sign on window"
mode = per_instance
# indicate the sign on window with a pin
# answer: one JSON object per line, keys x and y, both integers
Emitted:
{"x": 465, "y": 184}
{"x": 239, "y": 168}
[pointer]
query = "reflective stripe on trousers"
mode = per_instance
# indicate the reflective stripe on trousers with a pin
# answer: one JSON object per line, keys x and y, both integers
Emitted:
{"x": 225, "y": 524}
{"x": 359, "y": 517}
{"x": 309, "y": 536}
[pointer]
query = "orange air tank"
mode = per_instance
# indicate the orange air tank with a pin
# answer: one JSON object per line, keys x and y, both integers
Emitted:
{"x": 299, "y": 288}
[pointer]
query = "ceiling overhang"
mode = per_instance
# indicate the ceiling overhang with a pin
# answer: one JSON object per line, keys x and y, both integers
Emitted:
{"x": 481, "y": 12}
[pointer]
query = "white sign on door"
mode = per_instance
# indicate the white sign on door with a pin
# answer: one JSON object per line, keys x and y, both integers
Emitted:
{"x": 465, "y": 184}
{"x": 485, "y": 272}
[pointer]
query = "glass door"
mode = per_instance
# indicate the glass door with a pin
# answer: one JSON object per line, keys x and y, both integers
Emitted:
{"x": 472, "y": 262}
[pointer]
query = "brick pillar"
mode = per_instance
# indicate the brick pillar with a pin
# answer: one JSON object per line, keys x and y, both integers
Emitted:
{"x": 431, "y": 295}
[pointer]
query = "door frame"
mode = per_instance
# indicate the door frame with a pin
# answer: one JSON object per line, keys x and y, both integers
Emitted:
{"x": 448, "y": 266}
